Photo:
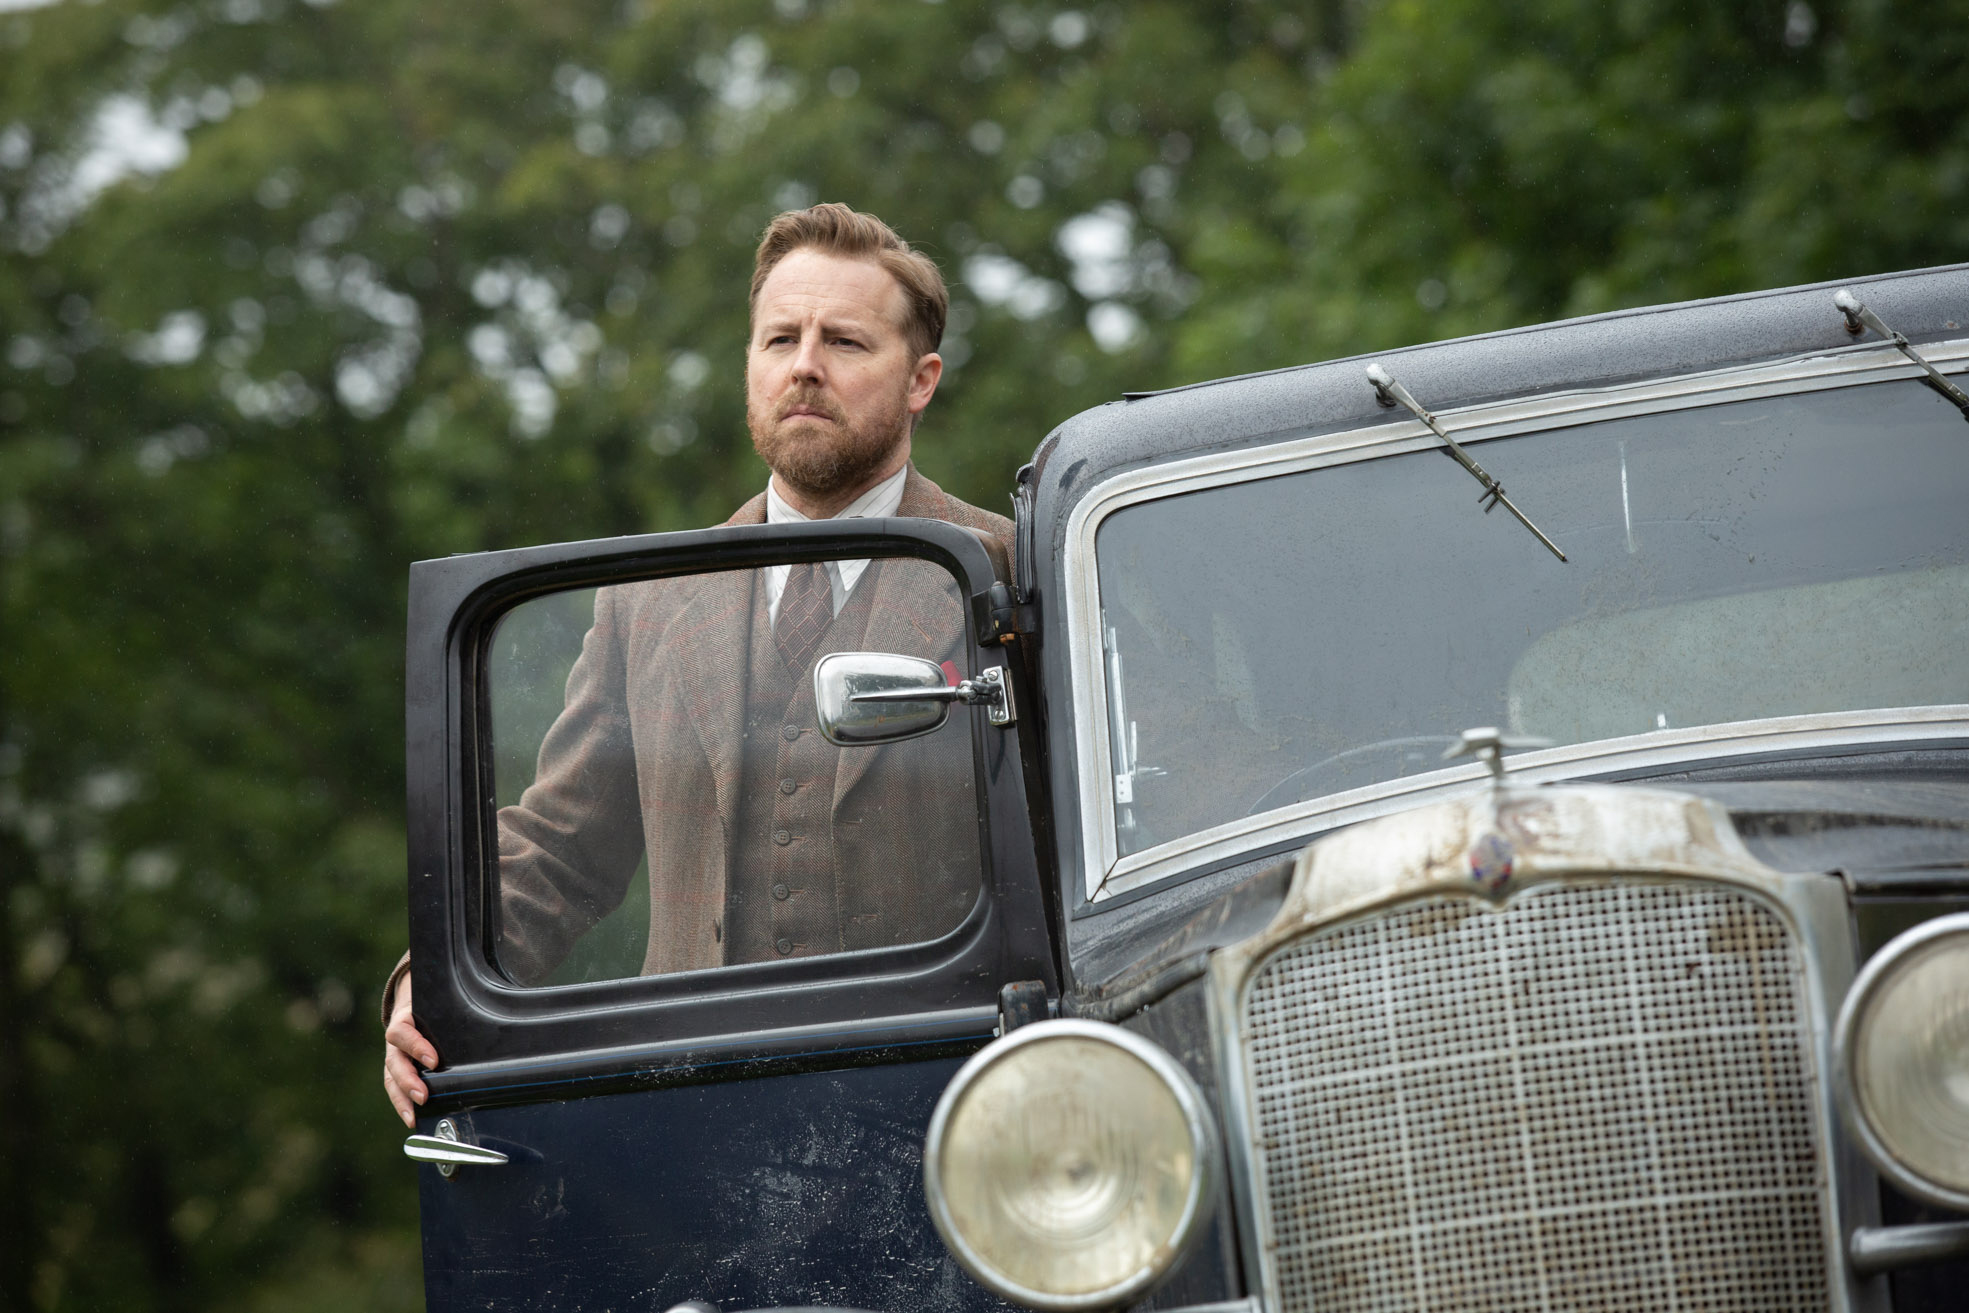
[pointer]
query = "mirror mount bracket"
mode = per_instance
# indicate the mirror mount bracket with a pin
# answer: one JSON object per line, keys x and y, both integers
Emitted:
{"x": 989, "y": 690}
{"x": 995, "y": 691}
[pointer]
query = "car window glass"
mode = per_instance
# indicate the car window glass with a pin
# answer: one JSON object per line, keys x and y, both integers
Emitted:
{"x": 665, "y": 801}
{"x": 1298, "y": 636}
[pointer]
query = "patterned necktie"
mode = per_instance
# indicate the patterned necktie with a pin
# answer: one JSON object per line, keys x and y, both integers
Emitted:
{"x": 805, "y": 609}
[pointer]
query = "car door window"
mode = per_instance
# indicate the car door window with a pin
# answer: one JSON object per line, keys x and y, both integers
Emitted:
{"x": 663, "y": 800}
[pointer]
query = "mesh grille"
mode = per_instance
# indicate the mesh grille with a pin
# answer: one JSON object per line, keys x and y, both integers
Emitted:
{"x": 1598, "y": 1096}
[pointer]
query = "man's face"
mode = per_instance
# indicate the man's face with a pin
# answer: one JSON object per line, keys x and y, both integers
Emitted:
{"x": 831, "y": 384}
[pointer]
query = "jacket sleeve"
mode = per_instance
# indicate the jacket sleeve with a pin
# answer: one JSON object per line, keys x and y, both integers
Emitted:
{"x": 397, "y": 973}
{"x": 569, "y": 847}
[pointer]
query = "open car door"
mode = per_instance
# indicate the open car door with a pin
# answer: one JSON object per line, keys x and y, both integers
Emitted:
{"x": 695, "y": 973}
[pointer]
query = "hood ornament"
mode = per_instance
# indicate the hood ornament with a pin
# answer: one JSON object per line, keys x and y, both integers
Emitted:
{"x": 1487, "y": 744}
{"x": 1492, "y": 854}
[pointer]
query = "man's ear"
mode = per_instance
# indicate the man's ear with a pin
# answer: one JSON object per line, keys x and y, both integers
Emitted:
{"x": 923, "y": 382}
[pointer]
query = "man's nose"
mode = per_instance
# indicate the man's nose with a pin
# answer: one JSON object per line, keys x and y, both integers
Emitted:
{"x": 808, "y": 362}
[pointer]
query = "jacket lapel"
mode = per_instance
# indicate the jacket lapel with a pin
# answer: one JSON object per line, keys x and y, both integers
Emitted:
{"x": 705, "y": 656}
{"x": 706, "y": 652}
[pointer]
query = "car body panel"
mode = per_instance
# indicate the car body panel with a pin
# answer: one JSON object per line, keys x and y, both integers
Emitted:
{"x": 801, "y": 1188}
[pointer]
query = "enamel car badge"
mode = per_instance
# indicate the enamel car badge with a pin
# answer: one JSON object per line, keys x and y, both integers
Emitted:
{"x": 1490, "y": 862}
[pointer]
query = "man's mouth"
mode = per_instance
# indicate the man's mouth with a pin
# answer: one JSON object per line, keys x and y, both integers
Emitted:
{"x": 809, "y": 410}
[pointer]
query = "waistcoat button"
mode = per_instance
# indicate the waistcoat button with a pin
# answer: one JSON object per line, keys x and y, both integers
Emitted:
{"x": 782, "y": 838}
{"x": 787, "y": 786}
{"x": 781, "y": 892}
{"x": 790, "y": 733}
{"x": 784, "y": 946}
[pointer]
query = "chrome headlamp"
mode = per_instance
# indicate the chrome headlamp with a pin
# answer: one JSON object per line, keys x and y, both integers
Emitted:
{"x": 1070, "y": 1165}
{"x": 1903, "y": 1056}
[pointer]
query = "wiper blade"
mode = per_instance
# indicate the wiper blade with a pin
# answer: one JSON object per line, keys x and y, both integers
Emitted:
{"x": 1392, "y": 393}
{"x": 1859, "y": 319}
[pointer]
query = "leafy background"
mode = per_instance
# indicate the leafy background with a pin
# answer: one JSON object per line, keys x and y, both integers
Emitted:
{"x": 294, "y": 293}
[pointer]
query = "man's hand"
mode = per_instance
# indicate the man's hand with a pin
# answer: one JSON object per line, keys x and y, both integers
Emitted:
{"x": 404, "y": 1051}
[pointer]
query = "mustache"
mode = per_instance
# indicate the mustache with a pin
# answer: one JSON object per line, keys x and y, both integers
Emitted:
{"x": 808, "y": 398}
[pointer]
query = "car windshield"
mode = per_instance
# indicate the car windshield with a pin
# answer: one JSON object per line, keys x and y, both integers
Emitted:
{"x": 1297, "y": 636}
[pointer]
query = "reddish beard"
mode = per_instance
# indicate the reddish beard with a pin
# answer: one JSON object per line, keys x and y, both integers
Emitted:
{"x": 824, "y": 458}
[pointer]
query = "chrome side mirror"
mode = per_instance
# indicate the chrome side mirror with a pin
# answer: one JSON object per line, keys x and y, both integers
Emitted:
{"x": 879, "y": 697}
{"x": 864, "y": 698}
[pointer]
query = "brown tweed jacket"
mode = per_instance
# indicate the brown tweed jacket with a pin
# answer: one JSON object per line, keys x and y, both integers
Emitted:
{"x": 652, "y": 761}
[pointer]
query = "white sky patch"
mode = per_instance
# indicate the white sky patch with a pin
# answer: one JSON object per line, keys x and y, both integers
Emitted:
{"x": 999, "y": 280}
{"x": 160, "y": 451}
{"x": 530, "y": 345}
{"x": 750, "y": 84}
{"x": 588, "y": 90}
{"x": 749, "y": 90}
{"x": 1069, "y": 28}
{"x": 127, "y": 139}
{"x": 1113, "y": 326}
{"x": 16, "y": 146}
{"x": 15, "y": 6}
{"x": 369, "y": 378}
{"x": 1100, "y": 244}
{"x": 994, "y": 277}
{"x": 124, "y": 138}
{"x": 689, "y": 370}
{"x": 180, "y": 336}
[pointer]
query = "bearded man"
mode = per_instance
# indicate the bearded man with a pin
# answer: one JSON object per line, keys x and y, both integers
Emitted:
{"x": 688, "y": 735}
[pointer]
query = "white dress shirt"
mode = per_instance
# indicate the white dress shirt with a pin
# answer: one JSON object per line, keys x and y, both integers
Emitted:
{"x": 881, "y": 500}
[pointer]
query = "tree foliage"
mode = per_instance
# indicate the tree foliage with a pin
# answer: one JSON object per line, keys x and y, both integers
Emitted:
{"x": 292, "y": 294}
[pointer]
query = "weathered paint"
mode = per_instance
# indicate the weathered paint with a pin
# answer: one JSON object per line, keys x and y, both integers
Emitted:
{"x": 786, "y": 1190}
{"x": 1550, "y": 833}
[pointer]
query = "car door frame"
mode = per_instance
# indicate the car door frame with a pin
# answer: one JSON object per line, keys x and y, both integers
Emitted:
{"x": 499, "y": 1041}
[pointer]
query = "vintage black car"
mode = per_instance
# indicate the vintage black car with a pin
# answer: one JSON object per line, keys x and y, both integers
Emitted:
{"x": 1387, "y": 890}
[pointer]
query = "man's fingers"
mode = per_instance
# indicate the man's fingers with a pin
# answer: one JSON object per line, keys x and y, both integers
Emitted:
{"x": 398, "y": 1069}
{"x": 404, "y": 1036}
{"x": 397, "y": 1099}
{"x": 405, "y": 1050}
{"x": 402, "y": 1084}
{"x": 404, "y": 1045}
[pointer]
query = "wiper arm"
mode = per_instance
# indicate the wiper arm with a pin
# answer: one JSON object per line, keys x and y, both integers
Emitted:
{"x": 1859, "y": 319}
{"x": 1391, "y": 393}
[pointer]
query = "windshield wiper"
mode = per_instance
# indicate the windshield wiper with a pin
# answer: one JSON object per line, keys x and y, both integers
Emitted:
{"x": 1389, "y": 393}
{"x": 1859, "y": 319}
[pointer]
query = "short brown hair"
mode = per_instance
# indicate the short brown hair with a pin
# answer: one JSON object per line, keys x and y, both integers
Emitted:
{"x": 835, "y": 229}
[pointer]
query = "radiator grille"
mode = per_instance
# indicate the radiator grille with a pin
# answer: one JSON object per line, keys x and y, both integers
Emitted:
{"x": 1597, "y": 1096}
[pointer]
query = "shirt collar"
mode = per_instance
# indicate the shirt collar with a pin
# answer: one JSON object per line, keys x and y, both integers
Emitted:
{"x": 881, "y": 500}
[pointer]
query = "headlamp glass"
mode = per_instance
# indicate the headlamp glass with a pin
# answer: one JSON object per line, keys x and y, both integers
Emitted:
{"x": 1068, "y": 1165}
{"x": 1905, "y": 1040}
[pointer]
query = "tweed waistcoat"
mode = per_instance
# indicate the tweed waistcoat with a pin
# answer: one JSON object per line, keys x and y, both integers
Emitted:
{"x": 782, "y": 896}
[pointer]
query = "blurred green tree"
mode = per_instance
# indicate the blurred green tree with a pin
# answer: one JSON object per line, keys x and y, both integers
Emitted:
{"x": 293, "y": 293}
{"x": 1470, "y": 167}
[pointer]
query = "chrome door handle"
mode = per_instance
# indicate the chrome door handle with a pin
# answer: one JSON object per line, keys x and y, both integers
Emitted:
{"x": 448, "y": 1151}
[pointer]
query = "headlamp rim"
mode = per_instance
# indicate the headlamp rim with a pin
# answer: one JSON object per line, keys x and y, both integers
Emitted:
{"x": 1845, "y": 1039}
{"x": 1198, "y": 1205}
